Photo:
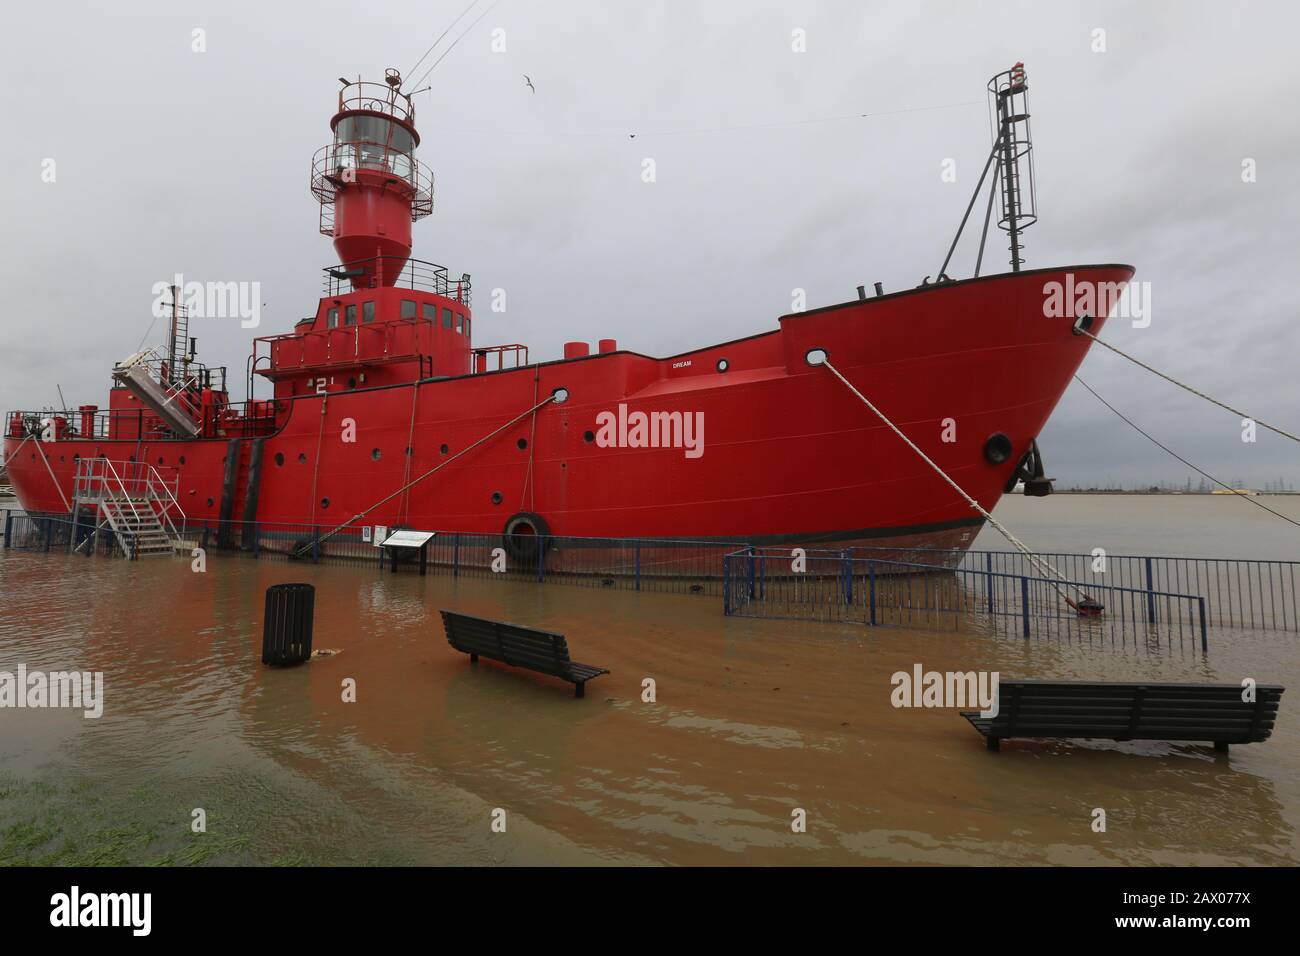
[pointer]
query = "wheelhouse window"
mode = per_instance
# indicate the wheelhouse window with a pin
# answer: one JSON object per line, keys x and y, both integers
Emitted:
{"x": 460, "y": 323}
{"x": 430, "y": 313}
{"x": 332, "y": 319}
{"x": 367, "y": 312}
{"x": 408, "y": 309}
{"x": 350, "y": 315}
{"x": 467, "y": 325}
{"x": 446, "y": 318}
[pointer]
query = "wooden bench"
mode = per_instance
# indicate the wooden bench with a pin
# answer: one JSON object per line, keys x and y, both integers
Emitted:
{"x": 1121, "y": 711}
{"x": 540, "y": 651}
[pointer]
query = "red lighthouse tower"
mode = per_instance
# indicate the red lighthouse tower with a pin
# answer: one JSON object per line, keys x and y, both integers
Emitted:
{"x": 370, "y": 186}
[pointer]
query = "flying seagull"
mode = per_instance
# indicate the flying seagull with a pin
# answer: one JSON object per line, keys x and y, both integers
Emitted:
{"x": 530, "y": 83}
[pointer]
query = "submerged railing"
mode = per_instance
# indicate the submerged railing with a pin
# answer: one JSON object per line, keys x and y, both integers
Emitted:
{"x": 877, "y": 591}
{"x": 1239, "y": 593}
{"x": 1165, "y": 598}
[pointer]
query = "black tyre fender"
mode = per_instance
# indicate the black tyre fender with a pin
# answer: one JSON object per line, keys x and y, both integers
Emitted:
{"x": 519, "y": 538}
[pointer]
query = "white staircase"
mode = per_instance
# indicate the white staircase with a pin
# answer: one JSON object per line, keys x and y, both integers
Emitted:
{"x": 134, "y": 501}
{"x": 173, "y": 403}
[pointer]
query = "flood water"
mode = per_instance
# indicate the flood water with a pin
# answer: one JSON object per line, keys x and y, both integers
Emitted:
{"x": 752, "y": 720}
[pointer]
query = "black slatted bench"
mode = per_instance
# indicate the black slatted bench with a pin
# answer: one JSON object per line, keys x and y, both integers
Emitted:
{"x": 1213, "y": 713}
{"x": 540, "y": 651}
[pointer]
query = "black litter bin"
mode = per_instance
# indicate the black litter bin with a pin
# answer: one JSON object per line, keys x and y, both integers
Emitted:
{"x": 286, "y": 627}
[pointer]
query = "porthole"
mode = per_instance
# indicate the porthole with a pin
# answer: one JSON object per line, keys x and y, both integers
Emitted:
{"x": 160, "y": 461}
{"x": 560, "y": 396}
{"x": 375, "y": 454}
{"x": 181, "y": 460}
{"x": 324, "y": 502}
{"x": 442, "y": 448}
{"x": 408, "y": 451}
{"x": 210, "y": 502}
{"x": 496, "y": 498}
{"x": 302, "y": 458}
{"x": 279, "y": 459}
{"x": 723, "y": 365}
{"x": 815, "y": 357}
{"x": 352, "y": 382}
{"x": 521, "y": 444}
{"x": 589, "y": 436}
{"x": 997, "y": 448}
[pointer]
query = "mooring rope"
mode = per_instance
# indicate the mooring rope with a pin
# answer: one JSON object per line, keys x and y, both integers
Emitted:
{"x": 1040, "y": 563}
{"x": 403, "y": 506}
{"x": 1175, "y": 454}
{"x": 57, "y": 486}
{"x": 16, "y": 451}
{"x": 464, "y": 451}
{"x": 1079, "y": 330}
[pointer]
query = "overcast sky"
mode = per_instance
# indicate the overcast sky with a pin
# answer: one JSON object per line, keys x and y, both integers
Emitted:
{"x": 170, "y": 161}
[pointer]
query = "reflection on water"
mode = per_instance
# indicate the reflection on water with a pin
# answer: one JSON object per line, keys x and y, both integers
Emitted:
{"x": 752, "y": 720}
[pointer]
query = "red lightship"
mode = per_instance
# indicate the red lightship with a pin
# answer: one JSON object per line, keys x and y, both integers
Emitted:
{"x": 745, "y": 440}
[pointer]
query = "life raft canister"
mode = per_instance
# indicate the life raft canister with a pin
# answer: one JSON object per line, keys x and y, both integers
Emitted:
{"x": 520, "y": 538}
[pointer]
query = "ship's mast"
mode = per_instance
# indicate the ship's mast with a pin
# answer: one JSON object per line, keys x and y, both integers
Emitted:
{"x": 1018, "y": 208}
{"x": 177, "y": 340}
{"x": 1013, "y": 154}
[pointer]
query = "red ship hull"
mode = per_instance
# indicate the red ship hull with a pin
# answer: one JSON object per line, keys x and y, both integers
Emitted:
{"x": 788, "y": 454}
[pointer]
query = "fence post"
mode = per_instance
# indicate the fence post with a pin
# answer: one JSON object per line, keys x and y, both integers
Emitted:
{"x": 749, "y": 561}
{"x": 541, "y": 555}
{"x": 871, "y": 589}
{"x": 315, "y": 549}
{"x": 637, "y": 551}
{"x": 762, "y": 577}
{"x": 988, "y": 570}
{"x": 205, "y": 536}
{"x": 49, "y": 529}
{"x": 848, "y": 578}
{"x": 9, "y": 527}
{"x": 1024, "y": 602}
{"x": 257, "y": 543}
{"x": 726, "y": 584}
{"x": 1151, "y": 598}
{"x": 455, "y": 555}
{"x": 1205, "y": 641}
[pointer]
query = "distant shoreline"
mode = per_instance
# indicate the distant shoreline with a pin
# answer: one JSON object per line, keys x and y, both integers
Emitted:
{"x": 1186, "y": 494}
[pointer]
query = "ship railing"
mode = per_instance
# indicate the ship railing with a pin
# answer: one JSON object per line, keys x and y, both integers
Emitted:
{"x": 333, "y": 165}
{"x": 406, "y": 273}
{"x": 377, "y": 98}
{"x": 395, "y": 340}
{"x": 482, "y": 357}
{"x": 771, "y": 583}
{"x": 253, "y": 417}
{"x": 72, "y": 424}
{"x": 192, "y": 375}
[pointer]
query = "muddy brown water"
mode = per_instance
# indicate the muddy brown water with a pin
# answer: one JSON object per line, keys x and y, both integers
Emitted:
{"x": 753, "y": 720}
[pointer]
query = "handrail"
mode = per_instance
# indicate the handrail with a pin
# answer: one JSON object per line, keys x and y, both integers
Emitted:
{"x": 175, "y": 503}
{"x": 132, "y": 479}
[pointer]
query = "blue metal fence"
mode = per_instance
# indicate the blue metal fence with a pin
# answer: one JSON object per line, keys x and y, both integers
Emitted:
{"x": 839, "y": 586}
{"x": 979, "y": 585}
